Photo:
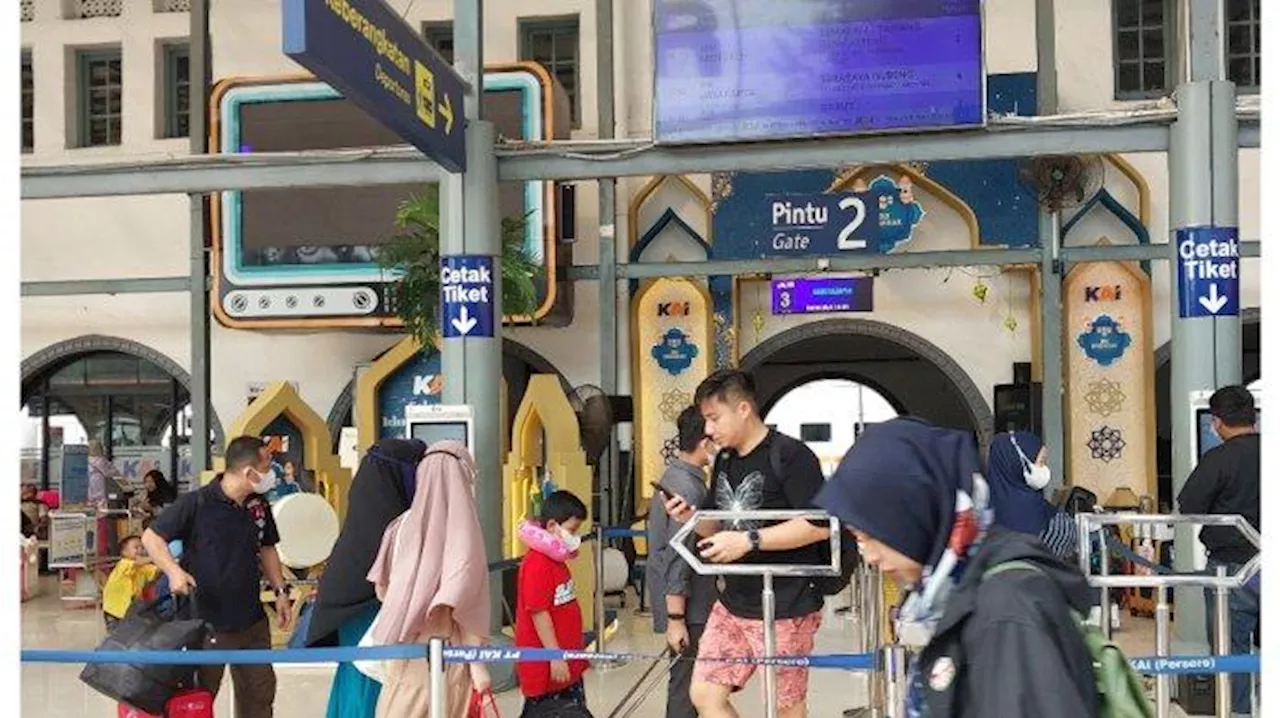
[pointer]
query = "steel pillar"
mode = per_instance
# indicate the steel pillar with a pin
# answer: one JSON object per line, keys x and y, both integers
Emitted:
{"x": 1051, "y": 428}
{"x": 609, "y": 483}
{"x": 201, "y": 336}
{"x": 473, "y": 366}
{"x": 1203, "y": 191}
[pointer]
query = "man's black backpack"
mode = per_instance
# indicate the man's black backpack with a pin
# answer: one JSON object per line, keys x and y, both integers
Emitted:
{"x": 828, "y": 585}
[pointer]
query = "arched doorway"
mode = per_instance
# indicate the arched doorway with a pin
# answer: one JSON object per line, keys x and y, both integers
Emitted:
{"x": 133, "y": 399}
{"x": 519, "y": 363}
{"x": 912, "y": 374}
{"x": 1251, "y": 372}
{"x": 829, "y": 415}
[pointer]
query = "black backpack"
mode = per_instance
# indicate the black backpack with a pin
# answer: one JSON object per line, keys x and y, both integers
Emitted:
{"x": 849, "y": 560}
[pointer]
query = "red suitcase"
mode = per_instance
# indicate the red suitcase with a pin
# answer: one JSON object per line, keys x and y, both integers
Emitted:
{"x": 190, "y": 703}
{"x": 127, "y": 711}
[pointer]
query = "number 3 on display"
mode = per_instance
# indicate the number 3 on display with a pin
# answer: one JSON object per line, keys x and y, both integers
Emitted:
{"x": 845, "y": 240}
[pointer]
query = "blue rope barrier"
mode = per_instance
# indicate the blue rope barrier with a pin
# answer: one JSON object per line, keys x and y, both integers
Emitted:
{"x": 1149, "y": 665}
{"x": 459, "y": 654}
{"x": 616, "y": 532}
{"x": 1196, "y": 665}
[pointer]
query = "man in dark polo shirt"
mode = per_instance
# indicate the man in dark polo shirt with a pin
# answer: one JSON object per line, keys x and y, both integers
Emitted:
{"x": 229, "y": 541}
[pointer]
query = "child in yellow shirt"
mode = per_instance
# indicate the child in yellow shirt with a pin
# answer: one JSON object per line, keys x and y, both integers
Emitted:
{"x": 130, "y": 576}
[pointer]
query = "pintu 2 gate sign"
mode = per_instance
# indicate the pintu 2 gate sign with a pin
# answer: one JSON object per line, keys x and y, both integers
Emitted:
{"x": 822, "y": 224}
{"x": 365, "y": 51}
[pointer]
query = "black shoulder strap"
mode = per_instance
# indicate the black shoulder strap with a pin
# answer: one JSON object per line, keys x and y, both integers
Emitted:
{"x": 779, "y": 444}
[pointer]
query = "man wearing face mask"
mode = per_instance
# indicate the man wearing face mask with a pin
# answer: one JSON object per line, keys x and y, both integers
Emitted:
{"x": 229, "y": 539}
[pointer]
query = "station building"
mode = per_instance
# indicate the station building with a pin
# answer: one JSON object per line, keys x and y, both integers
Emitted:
{"x": 296, "y": 297}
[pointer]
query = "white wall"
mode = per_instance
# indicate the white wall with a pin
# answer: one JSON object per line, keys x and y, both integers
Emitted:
{"x": 148, "y": 236}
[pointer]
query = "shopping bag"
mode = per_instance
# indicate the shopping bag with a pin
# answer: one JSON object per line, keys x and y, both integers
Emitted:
{"x": 145, "y": 628}
{"x": 483, "y": 705}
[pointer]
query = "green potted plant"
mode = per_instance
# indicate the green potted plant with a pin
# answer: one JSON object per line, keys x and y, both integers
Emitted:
{"x": 414, "y": 252}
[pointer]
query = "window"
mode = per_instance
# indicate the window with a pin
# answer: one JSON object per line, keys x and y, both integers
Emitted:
{"x": 1144, "y": 46}
{"x": 100, "y": 102}
{"x": 439, "y": 35}
{"x": 815, "y": 432}
{"x": 1244, "y": 44}
{"x": 28, "y": 104}
{"x": 177, "y": 90}
{"x": 1146, "y": 51}
{"x": 554, "y": 45}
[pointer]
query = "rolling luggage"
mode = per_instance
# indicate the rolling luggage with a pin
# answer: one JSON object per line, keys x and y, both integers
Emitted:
{"x": 190, "y": 703}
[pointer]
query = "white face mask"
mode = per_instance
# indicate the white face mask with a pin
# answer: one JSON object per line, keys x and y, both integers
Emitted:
{"x": 1037, "y": 476}
{"x": 571, "y": 541}
{"x": 266, "y": 482}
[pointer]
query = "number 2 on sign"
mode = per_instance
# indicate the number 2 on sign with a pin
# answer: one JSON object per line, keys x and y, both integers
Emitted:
{"x": 846, "y": 240}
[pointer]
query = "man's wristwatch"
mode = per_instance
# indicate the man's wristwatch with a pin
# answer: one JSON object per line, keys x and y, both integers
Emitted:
{"x": 753, "y": 536}
{"x": 281, "y": 592}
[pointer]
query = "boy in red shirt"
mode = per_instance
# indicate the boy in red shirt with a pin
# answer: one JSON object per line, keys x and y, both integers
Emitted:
{"x": 547, "y": 610}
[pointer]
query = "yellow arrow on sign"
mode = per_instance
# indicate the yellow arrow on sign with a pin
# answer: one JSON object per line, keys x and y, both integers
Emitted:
{"x": 446, "y": 111}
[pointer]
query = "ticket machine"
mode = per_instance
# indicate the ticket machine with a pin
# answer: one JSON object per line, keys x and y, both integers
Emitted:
{"x": 430, "y": 423}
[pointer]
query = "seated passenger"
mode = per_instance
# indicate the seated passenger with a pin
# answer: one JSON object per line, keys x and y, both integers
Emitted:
{"x": 990, "y": 638}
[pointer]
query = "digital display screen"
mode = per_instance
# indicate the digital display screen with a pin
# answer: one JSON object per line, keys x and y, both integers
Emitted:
{"x": 825, "y": 294}
{"x": 431, "y": 432}
{"x": 729, "y": 70}
{"x": 1206, "y": 437}
{"x": 337, "y": 225}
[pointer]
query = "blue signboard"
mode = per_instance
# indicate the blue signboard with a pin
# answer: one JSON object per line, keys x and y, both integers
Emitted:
{"x": 761, "y": 69}
{"x": 822, "y": 294}
{"x": 878, "y": 220}
{"x": 1208, "y": 272}
{"x": 375, "y": 59}
{"x": 466, "y": 296}
{"x": 417, "y": 381}
{"x": 74, "y": 486}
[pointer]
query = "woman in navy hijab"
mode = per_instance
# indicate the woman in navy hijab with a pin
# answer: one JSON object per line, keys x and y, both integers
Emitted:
{"x": 1017, "y": 475}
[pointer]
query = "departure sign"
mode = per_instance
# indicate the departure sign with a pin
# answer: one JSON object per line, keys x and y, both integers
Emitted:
{"x": 802, "y": 224}
{"x": 762, "y": 69}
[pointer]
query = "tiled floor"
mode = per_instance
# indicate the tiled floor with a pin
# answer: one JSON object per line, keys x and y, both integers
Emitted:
{"x": 50, "y": 691}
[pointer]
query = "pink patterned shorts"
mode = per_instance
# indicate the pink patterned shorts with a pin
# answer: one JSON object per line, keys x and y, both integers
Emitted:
{"x": 728, "y": 636}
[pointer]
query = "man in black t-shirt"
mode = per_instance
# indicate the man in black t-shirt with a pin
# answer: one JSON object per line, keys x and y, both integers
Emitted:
{"x": 1228, "y": 481}
{"x": 743, "y": 479}
{"x": 229, "y": 541}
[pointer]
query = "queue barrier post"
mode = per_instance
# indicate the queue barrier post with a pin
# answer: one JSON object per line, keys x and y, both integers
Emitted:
{"x": 598, "y": 530}
{"x": 437, "y": 683}
{"x": 1089, "y": 523}
{"x": 1222, "y": 639}
{"x": 767, "y": 572}
{"x": 869, "y": 591}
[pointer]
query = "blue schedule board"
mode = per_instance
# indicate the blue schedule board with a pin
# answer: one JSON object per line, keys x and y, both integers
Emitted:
{"x": 466, "y": 296}
{"x": 363, "y": 49}
{"x": 1208, "y": 272}
{"x": 729, "y": 70}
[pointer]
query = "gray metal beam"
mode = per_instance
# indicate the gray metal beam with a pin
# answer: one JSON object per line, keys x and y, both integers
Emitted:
{"x": 873, "y": 262}
{"x": 581, "y": 160}
{"x": 140, "y": 285}
{"x": 226, "y": 172}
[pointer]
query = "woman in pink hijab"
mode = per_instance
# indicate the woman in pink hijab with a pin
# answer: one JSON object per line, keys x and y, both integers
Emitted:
{"x": 432, "y": 590}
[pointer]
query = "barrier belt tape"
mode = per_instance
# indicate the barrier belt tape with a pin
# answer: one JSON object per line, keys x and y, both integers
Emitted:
{"x": 1150, "y": 665}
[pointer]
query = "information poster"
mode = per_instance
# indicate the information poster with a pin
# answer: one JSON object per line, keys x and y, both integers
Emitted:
{"x": 68, "y": 540}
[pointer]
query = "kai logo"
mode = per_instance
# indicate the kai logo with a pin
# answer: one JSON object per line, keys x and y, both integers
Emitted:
{"x": 675, "y": 309}
{"x": 428, "y": 385}
{"x": 1102, "y": 294}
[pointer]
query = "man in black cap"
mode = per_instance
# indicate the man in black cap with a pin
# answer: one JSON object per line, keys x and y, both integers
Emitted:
{"x": 1227, "y": 481}
{"x": 992, "y": 638}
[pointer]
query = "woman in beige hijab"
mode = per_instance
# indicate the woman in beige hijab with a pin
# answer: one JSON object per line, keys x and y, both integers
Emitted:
{"x": 432, "y": 590}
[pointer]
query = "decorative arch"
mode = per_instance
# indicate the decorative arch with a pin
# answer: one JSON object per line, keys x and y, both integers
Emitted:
{"x": 341, "y": 409}
{"x": 862, "y": 379}
{"x": 979, "y": 411}
{"x": 54, "y": 355}
{"x": 637, "y": 203}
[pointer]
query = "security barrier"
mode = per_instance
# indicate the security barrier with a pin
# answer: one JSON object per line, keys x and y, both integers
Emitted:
{"x": 1088, "y": 524}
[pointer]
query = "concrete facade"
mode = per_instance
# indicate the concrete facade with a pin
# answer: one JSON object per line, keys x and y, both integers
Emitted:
{"x": 147, "y": 236}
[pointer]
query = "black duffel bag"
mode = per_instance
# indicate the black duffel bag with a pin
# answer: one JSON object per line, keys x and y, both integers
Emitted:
{"x": 166, "y": 624}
